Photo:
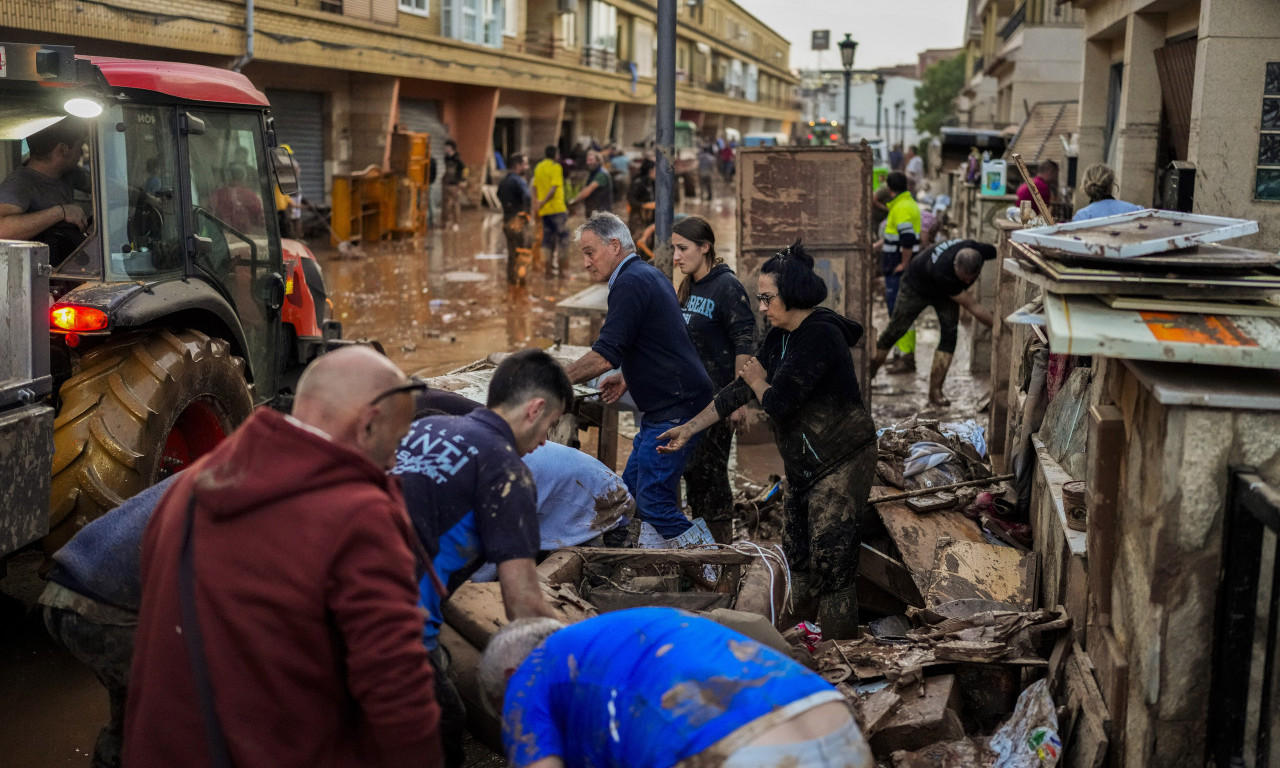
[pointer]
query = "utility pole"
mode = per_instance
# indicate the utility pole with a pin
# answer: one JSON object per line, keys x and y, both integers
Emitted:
{"x": 664, "y": 210}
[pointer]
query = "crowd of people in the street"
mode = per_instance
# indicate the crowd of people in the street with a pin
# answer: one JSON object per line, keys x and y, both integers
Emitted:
{"x": 293, "y": 616}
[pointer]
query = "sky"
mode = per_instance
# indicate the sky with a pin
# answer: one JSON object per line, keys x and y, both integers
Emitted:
{"x": 887, "y": 31}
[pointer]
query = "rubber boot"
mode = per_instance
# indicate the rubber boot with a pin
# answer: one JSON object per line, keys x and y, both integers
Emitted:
{"x": 878, "y": 360}
{"x": 937, "y": 375}
{"x": 803, "y": 606}
{"x": 902, "y": 364}
{"x": 838, "y": 614}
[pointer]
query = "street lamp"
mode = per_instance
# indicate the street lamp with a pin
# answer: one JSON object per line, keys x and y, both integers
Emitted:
{"x": 879, "y": 81}
{"x": 847, "y": 47}
{"x": 900, "y": 114}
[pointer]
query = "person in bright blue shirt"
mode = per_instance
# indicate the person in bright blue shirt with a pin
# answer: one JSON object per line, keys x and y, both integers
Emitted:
{"x": 1099, "y": 181}
{"x": 658, "y": 687}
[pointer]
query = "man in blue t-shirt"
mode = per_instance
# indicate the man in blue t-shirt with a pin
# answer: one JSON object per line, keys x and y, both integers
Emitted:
{"x": 657, "y": 687}
{"x": 472, "y": 501}
{"x": 644, "y": 333}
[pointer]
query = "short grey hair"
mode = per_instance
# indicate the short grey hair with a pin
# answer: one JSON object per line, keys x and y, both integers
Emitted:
{"x": 969, "y": 260}
{"x": 507, "y": 650}
{"x": 608, "y": 226}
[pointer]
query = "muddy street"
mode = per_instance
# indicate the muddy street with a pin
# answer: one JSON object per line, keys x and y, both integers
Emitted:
{"x": 435, "y": 305}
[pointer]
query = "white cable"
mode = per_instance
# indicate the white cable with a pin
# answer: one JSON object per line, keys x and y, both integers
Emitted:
{"x": 769, "y": 556}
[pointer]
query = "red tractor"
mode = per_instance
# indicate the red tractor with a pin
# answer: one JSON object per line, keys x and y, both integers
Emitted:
{"x": 179, "y": 307}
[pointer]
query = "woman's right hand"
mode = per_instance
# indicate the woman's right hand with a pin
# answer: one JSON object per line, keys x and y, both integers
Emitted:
{"x": 677, "y": 437}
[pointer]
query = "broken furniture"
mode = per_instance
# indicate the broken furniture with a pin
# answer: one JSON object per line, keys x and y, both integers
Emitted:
{"x": 1171, "y": 585}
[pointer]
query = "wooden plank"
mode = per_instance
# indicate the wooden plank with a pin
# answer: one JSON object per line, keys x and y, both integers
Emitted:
{"x": 890, "y": 575}
{"x": 1086, "y": 735}
{"x": 1155, "y": 303}
{"x": 1105, "y": 454}
{"x": 916, "y": 536}
{"x": 1093, "y": 282}
{"x": 968, "y": 569}
{"x": 609, "y": 556}
{"x": 1113, "y": 682}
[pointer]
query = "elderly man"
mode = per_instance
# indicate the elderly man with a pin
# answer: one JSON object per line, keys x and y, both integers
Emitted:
{"x": 279, "y": 622}
{"x": 598, "y": 191}
{"x": 940, "y": 278}
{"x": 644, "y": 333}
{"x": 659, "y": 687}
{"x": 37, "y": 199}
{"x": 472, "y": 501}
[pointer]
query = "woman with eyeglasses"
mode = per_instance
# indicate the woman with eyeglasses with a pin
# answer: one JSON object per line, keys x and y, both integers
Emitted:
{"x": 803, "y": 377}
{"x": 718, "y": 314}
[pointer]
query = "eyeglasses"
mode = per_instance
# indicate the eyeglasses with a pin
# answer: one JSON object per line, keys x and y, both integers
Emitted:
{"x": 765, "y": 298}
{"x": 408, "y": 386}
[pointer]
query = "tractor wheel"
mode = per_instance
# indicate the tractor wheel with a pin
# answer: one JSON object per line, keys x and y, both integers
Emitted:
{"x": 138, "y": 410}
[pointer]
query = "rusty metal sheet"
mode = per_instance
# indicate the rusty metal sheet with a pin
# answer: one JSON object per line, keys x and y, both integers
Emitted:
{"x": 821, "y": 195}
{"x": 1135, "y": 234}
{"x": 1083, "y": 325}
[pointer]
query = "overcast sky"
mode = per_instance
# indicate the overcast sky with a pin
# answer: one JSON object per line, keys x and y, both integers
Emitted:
{"x": 888, "y": 31}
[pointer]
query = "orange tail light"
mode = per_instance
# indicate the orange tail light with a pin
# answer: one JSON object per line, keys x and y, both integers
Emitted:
{"x": 74, "y": 318}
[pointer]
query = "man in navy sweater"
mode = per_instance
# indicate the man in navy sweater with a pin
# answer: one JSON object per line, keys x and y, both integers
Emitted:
{"x": 644, "y": 333}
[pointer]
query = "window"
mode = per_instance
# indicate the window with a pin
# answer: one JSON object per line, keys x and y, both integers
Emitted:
{"x": 1267, "y": 182}
{"x": 144, "y": 236}
{"x": 473, "y": 21}
{"x": 419, "y": 7}
{"x": 569, "y": 30}
{"x": 511, "y": 18}
{"x": 603, "y": 34}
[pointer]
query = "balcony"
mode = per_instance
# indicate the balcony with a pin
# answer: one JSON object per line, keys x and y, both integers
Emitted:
{"x": 548, "y": 45}
{"x": 600, "y": 58}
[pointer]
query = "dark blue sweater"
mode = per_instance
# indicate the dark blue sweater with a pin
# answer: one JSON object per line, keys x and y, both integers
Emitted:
{"x": 645, "y": 333}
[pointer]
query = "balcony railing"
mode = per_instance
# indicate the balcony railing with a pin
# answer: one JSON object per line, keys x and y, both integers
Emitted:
{"x": 1015, "y": 21}
{"x": 600, "y": 58}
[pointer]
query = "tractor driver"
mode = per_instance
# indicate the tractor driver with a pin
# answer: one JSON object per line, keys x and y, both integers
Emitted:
{"x": 37, "y": 200}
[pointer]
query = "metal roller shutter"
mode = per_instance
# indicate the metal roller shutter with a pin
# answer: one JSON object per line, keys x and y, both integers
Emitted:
{"x": 423, "y": 116}
{"x": 299, "y": 119}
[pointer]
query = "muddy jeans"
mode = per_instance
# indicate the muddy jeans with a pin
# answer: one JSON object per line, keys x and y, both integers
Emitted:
{"x": 518, "y": 254}
{"x": 555, "y": 241}
{"x": 825, "y": 524}
{"x": 908, "y": 306}
{"x": 108, "y": 650}
{"x": 453, "y": 712}
{"x": 842, "y": 748}
{"x": 706, "y": 476}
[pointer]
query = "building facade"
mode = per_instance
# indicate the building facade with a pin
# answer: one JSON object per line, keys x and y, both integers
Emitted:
{"x": 1193, "y": 82}
{"x": 504, "y": 75}
{"x": 1019, "y": 52}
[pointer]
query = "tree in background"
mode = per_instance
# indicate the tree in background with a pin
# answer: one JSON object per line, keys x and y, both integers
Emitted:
{"x": 936, "y": 95}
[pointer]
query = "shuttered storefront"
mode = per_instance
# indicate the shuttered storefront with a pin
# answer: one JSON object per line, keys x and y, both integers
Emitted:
{"x": 299, "y": 117}
{"x": 423, "y": 116}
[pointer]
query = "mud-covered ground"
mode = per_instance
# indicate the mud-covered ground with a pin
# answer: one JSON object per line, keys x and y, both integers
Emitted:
{"x": 435, "y": 304}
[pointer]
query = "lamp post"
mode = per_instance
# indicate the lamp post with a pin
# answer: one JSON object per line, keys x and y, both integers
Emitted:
{"x": 847, "y": 47}
{"x": 900, "y": 114}
{"x": 879, "y": 81}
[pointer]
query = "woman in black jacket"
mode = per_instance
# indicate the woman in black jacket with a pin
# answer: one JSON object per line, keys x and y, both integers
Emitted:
{"x": 718, "y": 314}
{"x": 804, "y": 378}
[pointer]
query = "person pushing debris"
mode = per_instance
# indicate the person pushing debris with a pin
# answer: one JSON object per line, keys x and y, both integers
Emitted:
{"x": 939, "y": 278}
{"x": 659, "y": 687}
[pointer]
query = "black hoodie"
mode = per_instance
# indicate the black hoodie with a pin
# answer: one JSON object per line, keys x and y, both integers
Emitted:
{"x": 719, "y": 317}
{"x": 813, "y": 400}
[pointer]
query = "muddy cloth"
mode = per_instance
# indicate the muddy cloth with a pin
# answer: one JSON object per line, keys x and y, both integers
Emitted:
{"x": 306, "y": 591}
{"x": 470, "y": 497}
{"x": 455, "y": 171}
{"x": 579, "y": 498}
{"x": 721, "y": 323}
{"x": 645, "y": 334}
{"x": 813, "y": 401}
{"x": 908, "y": 306}
{"x": 649, "y": 687}
{"x": 103, "y": 560}
{"x": 107, "y": 650}
{"x": 932, "y": 274}
{"x": 706, "y": 475}
{"x": 825, "y": 524}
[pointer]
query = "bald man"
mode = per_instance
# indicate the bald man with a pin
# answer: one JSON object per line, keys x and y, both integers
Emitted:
{"x": 279, "y": 591}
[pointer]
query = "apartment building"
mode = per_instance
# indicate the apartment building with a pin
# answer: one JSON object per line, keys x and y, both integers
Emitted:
{"x": 505, "y": 75}
{"x": 1191, "y": 82}
{"x": 1019, "y": 52}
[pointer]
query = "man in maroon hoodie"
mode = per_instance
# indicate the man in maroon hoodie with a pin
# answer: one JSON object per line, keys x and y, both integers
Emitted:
{"x": 305, "y": 591}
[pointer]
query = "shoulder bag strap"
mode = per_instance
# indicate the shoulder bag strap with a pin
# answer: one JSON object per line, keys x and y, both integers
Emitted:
{"x": 219, "y": 753}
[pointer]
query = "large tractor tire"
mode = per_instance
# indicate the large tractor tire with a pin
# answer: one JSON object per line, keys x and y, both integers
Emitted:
{"x": 139, "y": 409}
